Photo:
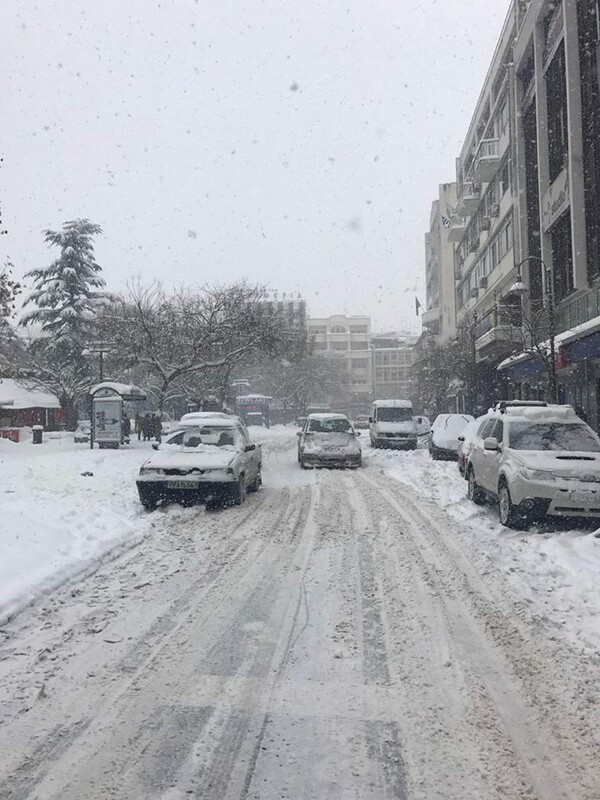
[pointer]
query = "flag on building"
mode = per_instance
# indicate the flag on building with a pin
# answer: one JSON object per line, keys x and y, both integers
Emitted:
{"x": 445, "y": 221}
{"x": 417, "y": 306}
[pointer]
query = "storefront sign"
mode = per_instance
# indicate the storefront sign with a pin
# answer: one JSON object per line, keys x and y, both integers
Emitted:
{"x": 556, "y": 200}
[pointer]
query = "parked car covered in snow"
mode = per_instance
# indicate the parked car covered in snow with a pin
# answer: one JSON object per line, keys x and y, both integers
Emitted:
{"x": 83, "y": 431}
{"x": 213, "y": 460}
{"x": 328, "y": 440}
{"x": 423, "y": 426}
{"x": 466, "y": 440}
{"x": 443, "y": 441}
{"x": 537, "y": 460}
{"x": 361, "y": 422}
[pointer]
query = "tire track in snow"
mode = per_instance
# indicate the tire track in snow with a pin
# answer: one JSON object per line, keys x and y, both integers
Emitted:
{"x": 554, "y": 765}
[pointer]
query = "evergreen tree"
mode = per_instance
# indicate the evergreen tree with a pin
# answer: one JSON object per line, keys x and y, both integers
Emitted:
{"x": 66, "y": 298}
{"x": 68, "y": 293}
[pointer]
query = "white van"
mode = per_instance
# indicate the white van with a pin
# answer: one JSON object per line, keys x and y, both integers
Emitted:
{"x": 392, "y": 424}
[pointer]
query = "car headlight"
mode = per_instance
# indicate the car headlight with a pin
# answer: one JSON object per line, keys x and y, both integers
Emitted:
{"x": 150, "y": 471}
{"x": 536, "y": 475}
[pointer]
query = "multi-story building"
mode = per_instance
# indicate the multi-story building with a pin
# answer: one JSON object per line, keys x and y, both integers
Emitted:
{"x": 392, "y": 364}
{"x": 346, "y": 338}
{"x": 292, "y": 310}
{"x": 439, "y": 317}
{"x": 557, "y": 118}
{"x": 485, "y": 226}
{"x": 526, "y": 226}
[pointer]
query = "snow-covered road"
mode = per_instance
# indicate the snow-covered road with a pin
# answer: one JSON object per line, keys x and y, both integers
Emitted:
{"x": 339, "y": 636}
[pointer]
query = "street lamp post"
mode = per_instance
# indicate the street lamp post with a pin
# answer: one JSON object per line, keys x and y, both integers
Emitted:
{"x": 520, "y": 288}
{"x": 475, "y": 389}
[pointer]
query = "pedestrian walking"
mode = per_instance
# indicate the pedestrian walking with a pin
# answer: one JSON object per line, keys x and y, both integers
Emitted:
{"x": 138, "y": 424}
{"x": 147, "y": 427}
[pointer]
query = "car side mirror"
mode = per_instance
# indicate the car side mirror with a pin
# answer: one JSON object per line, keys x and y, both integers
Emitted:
{"x": 357, "y": 433}
{"x": 370, "y": 420}
{"x": 461, "y": 438}
{"x": 250, "y": 447}
{"x": 491, "y": 443}
{"x": 155, "y": 445}
{"x": 298, "y": 433}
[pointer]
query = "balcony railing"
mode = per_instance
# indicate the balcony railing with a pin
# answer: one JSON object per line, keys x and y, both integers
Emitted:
{"x": 487, "y": 160}
{"x": 505, "y": 320}
{"x": 469, "y": 199}
{"x": 458, "y": 228}
{"x": 579, "y": 310}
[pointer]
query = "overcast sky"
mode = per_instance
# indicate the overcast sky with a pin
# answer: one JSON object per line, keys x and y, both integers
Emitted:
{"x": 298, "y": 144}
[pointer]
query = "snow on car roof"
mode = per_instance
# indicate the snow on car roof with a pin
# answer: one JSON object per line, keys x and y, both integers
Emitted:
{"x": 207, "y": 422}
{"x": 204, "y": 415}
{"x": 392, "y": 404}
{"x": 327, "y": 416}
{"x": 554, "y": 413}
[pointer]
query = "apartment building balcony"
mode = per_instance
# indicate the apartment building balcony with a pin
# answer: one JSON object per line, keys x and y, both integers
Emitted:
{"x": 458, "y": 228}
{"x": 487, "y": 160}
{"x": 498, "y": 332}
{"x": 469, "y": 199}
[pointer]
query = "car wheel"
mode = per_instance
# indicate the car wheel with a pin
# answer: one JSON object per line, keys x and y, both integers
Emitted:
{"x": 302, "y": 463}
{"x": 239, "y": 491}
{"x": 148, "y": 502}
{"x": 474, "y": 493}
{"x": 257, "y": 482}
{"x": 434, "y": 455}
{"x": 508, "y": 513}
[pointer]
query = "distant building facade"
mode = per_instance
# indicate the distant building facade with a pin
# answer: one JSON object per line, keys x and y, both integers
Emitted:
{"x": 439, "y": 317}
{"x": 347, "y": 339}
{"x": 392, "y": 355}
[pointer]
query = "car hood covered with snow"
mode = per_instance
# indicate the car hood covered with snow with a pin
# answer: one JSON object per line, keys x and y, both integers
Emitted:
{"x": 581, "y": 465}
{"x": 206, "y": 457}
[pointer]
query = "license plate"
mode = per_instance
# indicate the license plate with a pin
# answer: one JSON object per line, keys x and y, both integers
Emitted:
{"x": 333, "y": 449}
{"x": 179, "y": 485}
{"x": 585, "y": 498}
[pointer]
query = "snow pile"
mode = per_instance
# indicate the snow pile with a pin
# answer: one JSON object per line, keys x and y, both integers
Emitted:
{"x": 63, "y": 508}
{"x": 552, "y": 571}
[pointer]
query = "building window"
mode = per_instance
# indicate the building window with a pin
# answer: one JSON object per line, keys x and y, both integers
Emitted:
{"x": 338, "y": 345}
{"x": 588, "y": 19}
{"x": 338, "y": 329}
{"x": 359, "y": 363}
{"x": 562, "y": 258}
{"x": 359, "y": 344}
{"x": 558, "y": 134}
{"x": 505, "y": 178}
{"x": 359, "y": 329}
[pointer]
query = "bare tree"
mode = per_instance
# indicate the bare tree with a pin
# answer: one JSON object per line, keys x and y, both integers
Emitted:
{"x": 174, "y": 337}
{"x": 299, "y": 382}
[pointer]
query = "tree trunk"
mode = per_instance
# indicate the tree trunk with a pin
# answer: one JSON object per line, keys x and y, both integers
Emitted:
{"x": 67, "y": 405}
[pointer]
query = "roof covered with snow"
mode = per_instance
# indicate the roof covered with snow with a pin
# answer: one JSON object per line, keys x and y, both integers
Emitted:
{"x": 126, "y": 390}
{"x": 392, "y": 404}
{"x": 20, "y": 395}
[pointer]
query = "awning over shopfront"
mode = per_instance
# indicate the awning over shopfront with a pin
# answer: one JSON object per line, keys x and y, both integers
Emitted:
{"x": 573, "y": 347}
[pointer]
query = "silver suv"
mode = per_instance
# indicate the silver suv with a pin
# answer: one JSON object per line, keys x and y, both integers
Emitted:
{"x": 537, "y": 460}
